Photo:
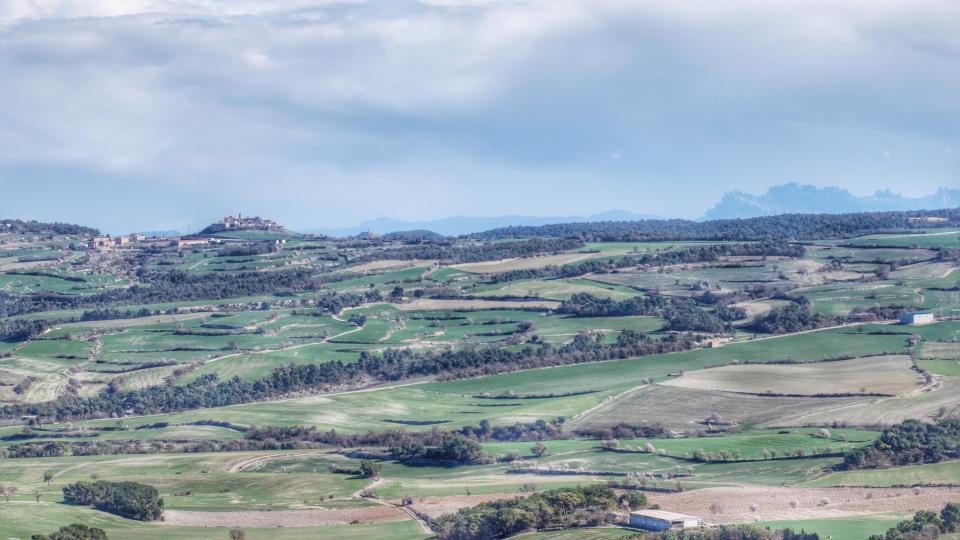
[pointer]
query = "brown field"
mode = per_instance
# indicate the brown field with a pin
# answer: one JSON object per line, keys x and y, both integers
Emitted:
{"x": 773, "y": 503}
{"x": 283, "y": 518}
{"x": 872, "y": 375}
{"x": 429, "y": 304}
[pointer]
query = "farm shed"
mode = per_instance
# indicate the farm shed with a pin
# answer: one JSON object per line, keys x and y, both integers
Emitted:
{"x": 659, "y": 520}
{"x": 917, "y": 317}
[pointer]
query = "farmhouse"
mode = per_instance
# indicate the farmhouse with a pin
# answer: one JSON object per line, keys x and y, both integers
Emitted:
{"x": 917, "y": 317}
{"x": 100, "y": 242}
{"x": 659, "y": 520}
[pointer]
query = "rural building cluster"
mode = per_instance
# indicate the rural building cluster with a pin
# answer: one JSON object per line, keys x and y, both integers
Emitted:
{"x": 107, "y": 242}
{"x": 240, "y": 223}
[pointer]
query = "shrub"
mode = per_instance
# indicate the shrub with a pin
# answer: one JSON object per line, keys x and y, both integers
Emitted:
{"x": 77, "y": 531}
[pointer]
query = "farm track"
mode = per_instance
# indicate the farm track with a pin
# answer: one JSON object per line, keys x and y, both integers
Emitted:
{"x": 257, "y": 461}
{"x": 290, "y": 348}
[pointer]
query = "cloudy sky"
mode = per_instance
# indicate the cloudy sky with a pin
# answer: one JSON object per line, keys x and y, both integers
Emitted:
{"x": 152, "y": 114}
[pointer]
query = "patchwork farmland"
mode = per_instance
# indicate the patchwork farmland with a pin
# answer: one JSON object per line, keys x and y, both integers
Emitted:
{"x": 292, "y": 386}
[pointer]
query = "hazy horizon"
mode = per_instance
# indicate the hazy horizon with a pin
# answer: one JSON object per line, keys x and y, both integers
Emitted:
{"x": 163, "y": 114}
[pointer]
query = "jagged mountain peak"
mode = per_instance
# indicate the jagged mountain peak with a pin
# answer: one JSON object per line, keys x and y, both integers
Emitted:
{"x": 800, "y": 198}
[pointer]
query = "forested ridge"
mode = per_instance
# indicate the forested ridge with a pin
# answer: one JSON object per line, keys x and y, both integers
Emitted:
{"x": 37, "y": 227}
{"x": 786, "y": 226}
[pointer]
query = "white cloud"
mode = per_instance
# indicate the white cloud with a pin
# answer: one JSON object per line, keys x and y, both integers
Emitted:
{"x": 456, "y": 92}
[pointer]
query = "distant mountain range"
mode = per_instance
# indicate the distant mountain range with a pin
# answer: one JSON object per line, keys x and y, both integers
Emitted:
{"x": 455, "y": 226}
{"x": 800, "y": 199}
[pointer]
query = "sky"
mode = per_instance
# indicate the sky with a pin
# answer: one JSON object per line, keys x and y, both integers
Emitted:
{"x": 167, "y": 114}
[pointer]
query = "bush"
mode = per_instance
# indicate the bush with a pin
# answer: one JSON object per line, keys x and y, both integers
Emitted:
{"x": 77, "y": 531}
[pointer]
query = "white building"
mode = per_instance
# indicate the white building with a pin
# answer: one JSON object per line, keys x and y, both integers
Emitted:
{"x": 659, "y": 520}
{"x": 916, "y": 318}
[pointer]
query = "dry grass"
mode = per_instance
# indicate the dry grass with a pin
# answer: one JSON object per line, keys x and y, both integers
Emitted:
{"x": 937, "y": 349}
{"x": 685, "y": 409}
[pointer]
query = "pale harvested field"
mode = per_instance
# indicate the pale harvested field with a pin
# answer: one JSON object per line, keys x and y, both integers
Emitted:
{"x": 759, "y": 308}
{"x": 685, "y": 409}
{"x": 31, "y": 265}
{"x": 144, "y": 378}
{"x": 924, "y": 270}
{"x": 438, "y": 506}
{"x": 389, "y": 264}
{"x": 492, "y": 267}
{"x": 430, "y": 304}
{"x": 872, "y": 375}
{"x": 936, "y": 349}
{"x": 283, "y": 518}
{"x": 140, "y": 321}
{"x": 925, "y": 405}
{"x": 774, "y": 502}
